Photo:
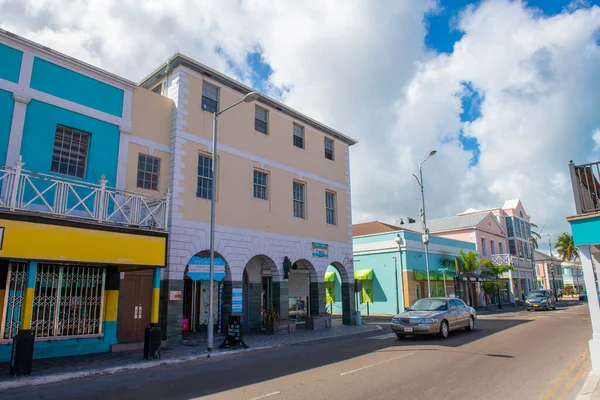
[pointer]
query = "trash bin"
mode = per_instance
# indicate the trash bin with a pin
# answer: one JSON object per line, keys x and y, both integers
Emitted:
{"x": 152, "y": 341}
{"x": 358, "y": 319}
{"x": 21, "y": 356}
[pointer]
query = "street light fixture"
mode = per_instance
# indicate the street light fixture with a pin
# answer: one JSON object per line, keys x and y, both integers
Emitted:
{"x": 425, "y": 230}
{"x": 250, "y": 97}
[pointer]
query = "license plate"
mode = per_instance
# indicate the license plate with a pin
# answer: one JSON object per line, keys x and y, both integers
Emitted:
{"x": 536, "y": 305}
{"x": 408, "y": 329}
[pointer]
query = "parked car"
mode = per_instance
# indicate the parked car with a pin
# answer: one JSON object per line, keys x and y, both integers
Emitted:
{"x": 583, "y": 296}
{"x": 540, "y": 300}
{"x": 434, "y": 316}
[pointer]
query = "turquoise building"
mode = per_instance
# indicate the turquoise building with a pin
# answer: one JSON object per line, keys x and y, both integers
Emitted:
{"x": 389, "y": 261}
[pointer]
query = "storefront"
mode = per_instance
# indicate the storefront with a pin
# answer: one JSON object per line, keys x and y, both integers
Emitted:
{"x": 197, "y": 293}
{"x": 299, "y": 295}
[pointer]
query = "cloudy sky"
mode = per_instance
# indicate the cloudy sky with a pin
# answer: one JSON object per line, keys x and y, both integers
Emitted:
{"x": 506, "y": 91}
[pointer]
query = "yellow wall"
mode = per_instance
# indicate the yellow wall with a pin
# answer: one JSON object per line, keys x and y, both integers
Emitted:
{"x": 151, "y": 116}
{"x": 37, "y": 241}
{"x": 132, "y": 167}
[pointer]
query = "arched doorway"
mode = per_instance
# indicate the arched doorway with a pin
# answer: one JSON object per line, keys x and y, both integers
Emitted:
{"x": 305, "y": 297}
{"x": 260, "y": 292}
{"x": 196, "y": 292}
{"x": 339, "y": 292}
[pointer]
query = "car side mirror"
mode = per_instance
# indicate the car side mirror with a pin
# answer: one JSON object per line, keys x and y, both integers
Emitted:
{"x": 406, "y": 308}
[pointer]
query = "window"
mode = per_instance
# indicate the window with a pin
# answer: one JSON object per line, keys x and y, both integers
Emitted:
{"x": 210, "y": 97}
{"x": 483, "y": 249}
{"x": 512, "y": 247}
{"x": 205, "y": 186}
{"x": 158, "y": 89}
{"x": 330, "y": 207}
{"x": 509, "y": 227}
{"x": 537, "y": 269}
{"x": 261, "y": 119}
{"x": 299, "y": 136}
{"x": 260, "y": 185}
{"x": 299, "y": 200}
{"x": 500, "y": 249}
{"x": 70, "y": 151}
{"x": 328, "y": 149}
{"x": 492, "y": 247}
{"x": 148, "y": 172}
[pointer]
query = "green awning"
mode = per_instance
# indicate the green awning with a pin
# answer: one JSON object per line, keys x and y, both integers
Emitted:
{"x": 433, "y": 275}
{"x": 363, "y": 274}
{"x": 330, "y": 276}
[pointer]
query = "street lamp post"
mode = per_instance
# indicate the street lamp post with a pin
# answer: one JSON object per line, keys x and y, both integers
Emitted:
{"x": 250, "y": 97}
{"x": 445, "y": 290}
{"x": 399, "y": 242}
{"x": 425, "y": 230}
{"x": 396, "y": 274}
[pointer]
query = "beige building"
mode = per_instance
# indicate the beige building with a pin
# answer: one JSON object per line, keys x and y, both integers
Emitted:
{"x": 283, "y": 192}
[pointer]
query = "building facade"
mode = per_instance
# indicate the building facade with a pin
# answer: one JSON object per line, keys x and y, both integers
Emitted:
{"x": 283, "y": 194}
{"x": 549, "y": 272}
{"x": 572, "y": 274}
{"x": 80, "y": 255}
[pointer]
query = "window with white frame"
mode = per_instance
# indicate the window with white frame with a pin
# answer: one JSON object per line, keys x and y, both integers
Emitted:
{"x": 71, "y": 147}
{"x": 483, "y": 249}
{"x": 205, "y": 187}
{"x": 210, "y": 97}
{"x": 261, "y": 119}
{"x": 330, "y": 207}
{"x": 261, "y": 181}
{"x": 299, "y": 210}
{"x": 148, "y": 173}
{"x": 500, "y": 249}
{"x": 328, "y": 149}
{"x": 492, "y": 247}
{"x": 298, "y": 136}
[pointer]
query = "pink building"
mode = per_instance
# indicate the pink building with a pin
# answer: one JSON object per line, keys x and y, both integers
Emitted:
{"x": 544, "y": 266}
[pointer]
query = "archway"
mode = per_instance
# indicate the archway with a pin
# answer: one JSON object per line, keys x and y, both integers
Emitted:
{"x": 260, "y": 292}
{"x": 339, "y": 292}
{"x": 196, "y": 289}
{"x": 306, "y": 295}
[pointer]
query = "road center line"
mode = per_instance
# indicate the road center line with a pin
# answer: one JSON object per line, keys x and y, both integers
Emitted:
{"x": 374, "y": 365}
{"x": 265, "y": 395}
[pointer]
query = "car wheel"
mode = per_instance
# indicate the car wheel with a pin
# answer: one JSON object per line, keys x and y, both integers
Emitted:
{"x": 554, "y": 307}
{"x": 529, "y": 309}
{"x": 471, "y": 324}
{"x": 401, "y": 335}
{"x": 444, "y": 329}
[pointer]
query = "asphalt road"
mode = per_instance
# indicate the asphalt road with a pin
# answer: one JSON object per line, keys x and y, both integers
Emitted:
{"x": 537, "y": 355}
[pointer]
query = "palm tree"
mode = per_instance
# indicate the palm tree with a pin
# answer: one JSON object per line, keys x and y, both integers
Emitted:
{"x": 566, "y": 247}
{"x": 535, "y": 236}
{"x": 494, "y": 272}
{"x": 469, "y": 264}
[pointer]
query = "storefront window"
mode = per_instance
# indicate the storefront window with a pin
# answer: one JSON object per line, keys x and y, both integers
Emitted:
{"x": 298, "y": 308}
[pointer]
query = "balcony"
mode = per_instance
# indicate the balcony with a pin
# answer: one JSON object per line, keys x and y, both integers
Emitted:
{"x": 585, "y": 180}
{"x": 509, "y": 259}
{"x": 28, "y": 191}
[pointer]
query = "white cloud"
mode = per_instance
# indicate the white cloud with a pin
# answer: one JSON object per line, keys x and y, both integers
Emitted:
{"x": 364, "y": 70}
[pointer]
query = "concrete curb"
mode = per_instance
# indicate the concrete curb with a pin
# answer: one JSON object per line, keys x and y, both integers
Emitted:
{"x": 589, "y": 387}
{"x": 43, "y": 380}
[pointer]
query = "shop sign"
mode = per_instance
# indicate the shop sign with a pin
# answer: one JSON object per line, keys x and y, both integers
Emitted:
{"x": 236, "y": 300}
{"x": 320, "y": 250}
{"x": 175, "y": 295}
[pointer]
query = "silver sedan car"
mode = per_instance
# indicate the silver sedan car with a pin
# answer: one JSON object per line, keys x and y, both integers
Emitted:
{"x": 434, "y": 316}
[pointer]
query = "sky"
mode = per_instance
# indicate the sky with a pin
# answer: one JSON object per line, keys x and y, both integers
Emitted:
{"x": 506, "y": 91}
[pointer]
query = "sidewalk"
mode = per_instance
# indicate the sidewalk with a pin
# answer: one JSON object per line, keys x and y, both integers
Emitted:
{"x": 193, "y": 347}
{"x": 591, "y": 388}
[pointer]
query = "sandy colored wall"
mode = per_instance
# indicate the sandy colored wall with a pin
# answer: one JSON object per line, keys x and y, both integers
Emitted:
{"x": 151, "y": 116}
{"x": 132, "y": 161}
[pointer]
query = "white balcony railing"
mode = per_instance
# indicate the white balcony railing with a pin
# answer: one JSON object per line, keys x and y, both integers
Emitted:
{"x": 509, "y": 259}
{"x": 23, "y": 190}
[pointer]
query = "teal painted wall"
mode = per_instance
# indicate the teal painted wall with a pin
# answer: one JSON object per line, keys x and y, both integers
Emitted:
{"x": 7, "y": 105}
{"x": 69, "y": 347}
{"x": 69, "y": 85}
{"x": 586, "y": 231}
{"x": 11, "y": 63}
{"x": 38, "y": 141}
{"x": 405, "y": 235}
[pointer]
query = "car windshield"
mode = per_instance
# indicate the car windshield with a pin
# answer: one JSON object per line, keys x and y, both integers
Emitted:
{"x": 536, "y": 295}
{"x": 430, "y": 305}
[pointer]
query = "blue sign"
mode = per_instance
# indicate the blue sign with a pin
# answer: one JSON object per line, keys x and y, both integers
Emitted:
{"x": 320, "y": 250}
{"x": 236, "y": 301}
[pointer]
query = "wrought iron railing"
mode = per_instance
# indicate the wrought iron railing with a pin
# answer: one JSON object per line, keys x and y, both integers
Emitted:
{"x": 509, "y": 259}
{"x": 585, "y": 180}
{"x": 23, "y": 190}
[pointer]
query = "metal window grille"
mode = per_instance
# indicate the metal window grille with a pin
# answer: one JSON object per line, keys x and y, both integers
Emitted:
{"x": 148, "y": 172}
{"x": 328, "y": 149}
{"x": 260, "y": 185}
{"x": 16, "y": 280}
{"x": 330, "y": 207}
{"x": 299, "y": 200}
{"x": 299, "y": 136}
{"x": 68, "y": 301}
{"x": 210, "y": 97}
{"x": 70, "y": 151}
{"x": 204, "y": 189}
{"x": 261, "y": 119}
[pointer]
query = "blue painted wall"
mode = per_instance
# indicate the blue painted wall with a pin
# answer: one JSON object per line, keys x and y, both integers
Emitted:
{"x": 38, "y": 141}
{"x": 11, "y": 63}
{"x": 69, "y": 85}
{"x": 7, "y": 105}
{"x": 586, "y": 231}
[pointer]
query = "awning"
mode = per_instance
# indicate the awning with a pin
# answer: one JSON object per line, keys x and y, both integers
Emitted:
{"x": 199, "y": 269}
{"x": 363, "y": 274}
{"x": 433, "y": 275}
{"x": 330, "y": 276}
{"x": 204, "y": 276}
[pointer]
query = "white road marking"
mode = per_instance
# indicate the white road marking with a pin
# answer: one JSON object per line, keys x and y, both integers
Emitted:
{"x": 384, "y": 336}
{"x": 265, "y": 395}
{"x": 374, "y": 365}
{"x": 505, "y": 325}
